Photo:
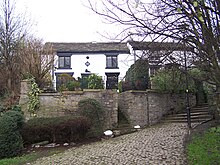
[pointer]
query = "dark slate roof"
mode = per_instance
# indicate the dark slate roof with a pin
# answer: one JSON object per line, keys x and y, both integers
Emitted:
{"x": 90, "y": 47}
{"x": 158, "y": 46}
{"x": 113, "y": 47}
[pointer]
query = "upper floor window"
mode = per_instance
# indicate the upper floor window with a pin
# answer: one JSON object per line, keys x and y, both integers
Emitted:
{"x": 111, "y": 62}
{"x": 64, "y": 62}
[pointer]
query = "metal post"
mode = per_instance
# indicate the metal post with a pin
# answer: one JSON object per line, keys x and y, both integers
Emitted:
{"x": 187, "y": 85}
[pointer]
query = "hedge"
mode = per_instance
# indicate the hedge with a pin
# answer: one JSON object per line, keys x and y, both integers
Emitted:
{"x": 56, "y": 129}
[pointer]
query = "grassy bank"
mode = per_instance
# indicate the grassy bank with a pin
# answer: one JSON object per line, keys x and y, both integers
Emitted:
{"x": 33, "y": 156}
{"x": 19, "y": 160}
{"x": 205, "y": 149}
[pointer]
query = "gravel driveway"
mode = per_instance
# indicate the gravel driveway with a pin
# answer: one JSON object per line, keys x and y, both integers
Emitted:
{"x": 160, "y": 144}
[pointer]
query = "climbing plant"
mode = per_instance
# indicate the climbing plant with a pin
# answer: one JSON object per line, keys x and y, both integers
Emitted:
{"x": 33, "y": 97}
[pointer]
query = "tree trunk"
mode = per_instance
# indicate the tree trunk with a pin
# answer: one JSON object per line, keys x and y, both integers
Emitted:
{"x": 9, "y": 85}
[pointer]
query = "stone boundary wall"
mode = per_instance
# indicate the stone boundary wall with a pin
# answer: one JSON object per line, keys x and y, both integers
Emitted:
{"x": 66, "y": 103}
{"x": 148, "y": 107}
{"x": 140, "y": 107}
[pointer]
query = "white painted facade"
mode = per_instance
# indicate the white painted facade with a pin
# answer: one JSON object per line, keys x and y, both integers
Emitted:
{"x": 97, "y": 65}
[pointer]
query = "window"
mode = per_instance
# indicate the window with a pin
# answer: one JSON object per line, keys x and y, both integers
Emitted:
{"x": 64, "y": 62}
{"x": 112, "y": 62}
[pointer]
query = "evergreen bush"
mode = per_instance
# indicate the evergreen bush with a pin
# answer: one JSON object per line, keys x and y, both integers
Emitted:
{"x": 17, "y": 117}
{"x": 137, "y": 76}
{"x": 11, "y": 142}
{"x": 56, "y": 129}
{"x": 93, "y": 110}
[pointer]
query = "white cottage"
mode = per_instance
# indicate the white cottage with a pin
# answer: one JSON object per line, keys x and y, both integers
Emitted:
{"x": 110, "y": 60}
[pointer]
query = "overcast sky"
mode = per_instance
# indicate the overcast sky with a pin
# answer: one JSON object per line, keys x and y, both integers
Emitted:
{"x": 64, "y": 21}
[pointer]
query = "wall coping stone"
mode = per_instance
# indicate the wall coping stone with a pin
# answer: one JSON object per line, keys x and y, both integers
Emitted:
{"x": 135, "y": 91}
{"x": 154, "y": 91}
{"x": 79, "y": 92}
{"x": 146, "y": 91}
{"x": 98, "y": 90}
{"x": 93, "y": 90}
{"x": 50, "y": 94}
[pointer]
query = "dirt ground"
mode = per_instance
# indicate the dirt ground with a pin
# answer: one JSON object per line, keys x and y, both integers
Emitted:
{"x": 200, "y": 129}
{"x": 47, "y": 151}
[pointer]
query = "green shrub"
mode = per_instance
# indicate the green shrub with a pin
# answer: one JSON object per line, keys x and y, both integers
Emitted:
{"x": 62, "y": 88}
{"x": 172, "y": 80}
{"x": 67, "y": 83}
{"x": 72, "y": 85}
{"x": 56, "y": 129}
{"x": 17, "y": 117}
{"x": 10, "y": 139}
{"x": 137, "y": 76}
{"x": 1, "y": 109}
{"x": 95, "y": 82}
{"x": 63, "y": 80}
{"x": 93, "y": 110}
{"x": 16, "y": 108}
{"x": 120, "y": 86}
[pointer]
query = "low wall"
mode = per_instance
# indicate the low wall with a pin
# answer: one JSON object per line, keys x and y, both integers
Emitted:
{"x": 66, "y": 103}
{"x": 148, "y": 107}
{"x": 140, "y": 107}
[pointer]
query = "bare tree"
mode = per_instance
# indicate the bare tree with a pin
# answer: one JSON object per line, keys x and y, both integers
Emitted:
{"x": 20, "y": 53}
{"x": 195, "y": 23}
{"x": 37, "y": 60}
{"x": 12, "y": 32}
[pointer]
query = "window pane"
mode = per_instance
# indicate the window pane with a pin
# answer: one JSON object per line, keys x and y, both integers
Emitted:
{"x": 61, "y": 62}
{"x": 108, "y": 62}
{"x": 114, "y": 62}
{"x": 67, "y": 62}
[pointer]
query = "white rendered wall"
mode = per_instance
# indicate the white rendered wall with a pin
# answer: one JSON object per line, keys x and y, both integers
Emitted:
{"x": 97, "y": 65}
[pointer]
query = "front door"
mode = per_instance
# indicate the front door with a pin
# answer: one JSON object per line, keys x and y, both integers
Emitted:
{"x": 112, "y": 80}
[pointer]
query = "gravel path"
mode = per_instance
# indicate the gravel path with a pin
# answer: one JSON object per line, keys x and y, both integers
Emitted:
{"x": 161, "y": 144}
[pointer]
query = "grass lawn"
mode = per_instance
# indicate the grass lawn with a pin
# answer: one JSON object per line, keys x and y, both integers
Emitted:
{"x": 29, "y": 157}
{"x": 205, "y": 149}
{"x": 19, "y": 160}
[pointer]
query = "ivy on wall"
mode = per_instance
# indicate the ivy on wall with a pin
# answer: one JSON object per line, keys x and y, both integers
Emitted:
{"x": 33, "y": 97}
